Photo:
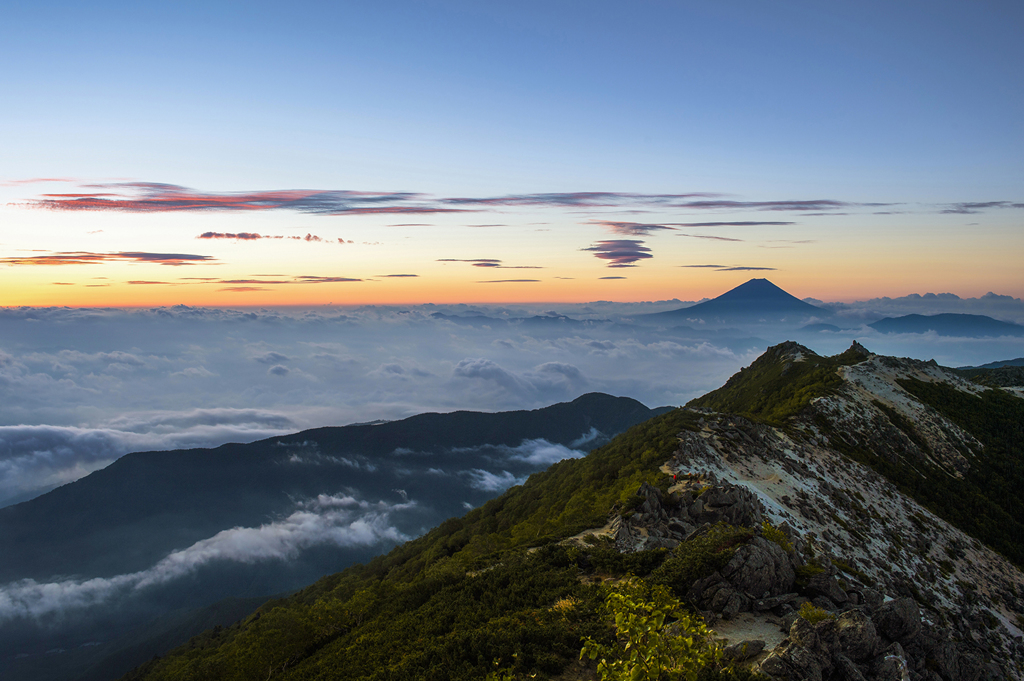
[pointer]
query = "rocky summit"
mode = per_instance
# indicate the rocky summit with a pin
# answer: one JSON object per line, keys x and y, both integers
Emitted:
{"x": 899, "y": 592}
{"x": 843, "y": 518}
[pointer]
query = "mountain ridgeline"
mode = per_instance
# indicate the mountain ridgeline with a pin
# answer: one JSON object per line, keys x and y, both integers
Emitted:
{"x": 848, "y": 517}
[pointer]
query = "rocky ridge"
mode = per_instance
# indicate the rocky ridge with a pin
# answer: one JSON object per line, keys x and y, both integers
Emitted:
{"x": 899, "y": 593}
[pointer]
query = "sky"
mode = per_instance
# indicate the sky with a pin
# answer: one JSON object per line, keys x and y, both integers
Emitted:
{"x": 225, "y": 221}
{"x": 397, "y": 153}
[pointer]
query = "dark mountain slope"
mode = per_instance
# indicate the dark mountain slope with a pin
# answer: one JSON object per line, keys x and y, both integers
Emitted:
{"x": 244, "y": 521}
{"x": 132, "y": 513}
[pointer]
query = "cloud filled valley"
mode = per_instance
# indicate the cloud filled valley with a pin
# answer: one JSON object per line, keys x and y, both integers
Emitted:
{"x": 84, "y": 387}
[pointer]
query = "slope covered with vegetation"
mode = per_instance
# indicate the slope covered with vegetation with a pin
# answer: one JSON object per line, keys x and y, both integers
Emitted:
{"x": 491, "y": 587}
{"x": 779, "y": 384}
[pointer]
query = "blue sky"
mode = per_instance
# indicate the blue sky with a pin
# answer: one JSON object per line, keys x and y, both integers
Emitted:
{"x": 912, "y": 103}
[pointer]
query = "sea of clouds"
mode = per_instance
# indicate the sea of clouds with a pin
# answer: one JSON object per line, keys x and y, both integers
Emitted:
{"x": 82, "y": 387}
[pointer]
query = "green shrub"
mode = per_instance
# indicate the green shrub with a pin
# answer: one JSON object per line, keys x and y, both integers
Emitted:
{"x": 701, "y": 556}
{"x": 772, "y": 533}
{"x": 805, "y": 572}
{"x": 814, "y": 614}
{"x": 658, "y": 639}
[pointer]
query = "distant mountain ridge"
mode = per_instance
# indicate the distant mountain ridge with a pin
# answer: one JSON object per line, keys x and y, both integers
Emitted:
{"x": 947, "y": 324}
{"x": 754, "y": 300}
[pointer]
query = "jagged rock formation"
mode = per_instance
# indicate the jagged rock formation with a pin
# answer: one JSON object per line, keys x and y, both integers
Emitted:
{"x": 900, "y": 593}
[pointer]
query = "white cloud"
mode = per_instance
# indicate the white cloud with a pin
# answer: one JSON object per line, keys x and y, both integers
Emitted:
{"x": 336, "y": 520}
{"x": 487, "y": 481}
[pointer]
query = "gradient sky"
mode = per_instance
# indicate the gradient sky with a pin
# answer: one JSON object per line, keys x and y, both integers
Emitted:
{"x": 402, "y": 152}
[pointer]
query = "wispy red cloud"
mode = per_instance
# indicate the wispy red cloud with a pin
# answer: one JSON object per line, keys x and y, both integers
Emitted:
{"x": 85, "y": 258}
{"x": 155, "y": 197}
{"x": 621, "y": 252}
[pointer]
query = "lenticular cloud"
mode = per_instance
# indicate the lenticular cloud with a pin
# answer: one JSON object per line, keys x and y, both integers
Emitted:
{"x": 334, "y": 520}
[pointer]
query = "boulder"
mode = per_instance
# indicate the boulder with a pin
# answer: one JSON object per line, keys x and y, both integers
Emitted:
{"x": 872, "y": 599}
{"x": 858, "y": 638}
{"x": 846, "y": 670}
{"x": 826, "y": 585}
{"x": 898, "y": 620}
{"x": 760, "y": 569}
{"x": 892, "y": 665}
{"x": 744, "y": 650}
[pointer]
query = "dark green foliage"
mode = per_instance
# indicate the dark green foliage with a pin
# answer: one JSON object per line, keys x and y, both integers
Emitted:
{"x": 995, "y": 377}
{"x": 986, "y": 501}
{"x": 701, "y": 556}
{"x": 775, "y": 387}
{"x": 448, "y": 604}
{"x": 903, "y": 423}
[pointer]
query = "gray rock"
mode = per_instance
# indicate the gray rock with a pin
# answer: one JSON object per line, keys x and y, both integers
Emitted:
{"x": 744, "y": 650}
{"x": 824, "y": 603}
{"x": 846, "y": 670}
{"x": 858, "y": 638}
{"x": 827, "y": 586}
{"x": 872, "y": 599}
{"x": 773, "y": 602}
{"x": 892, "y": 665}
{"x": 760, "y": 568}
{"x": 898, "y": 620}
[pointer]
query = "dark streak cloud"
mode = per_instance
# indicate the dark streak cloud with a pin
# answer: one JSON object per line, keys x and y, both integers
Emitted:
{"x": 84, "y": 258}
{"x": 611, "y": 277}
{"x": 741, "y": 223}
{"x": 620, "y": 252}
{"x": 970, "y": 207}
{"x": 240, "y": 236}
{"x": 396, "y": 276}
{"x": 816, "y": 204}
{"x": 707, "y": 266}
{"x": 243, "y": 289}
{"x": 307, "y": 279}
{"x": 631, "y": 228}
{"x": 706, "y": 236}
{"x": 575, "y": 199}
{"x": 746, "y": 269}
{"x": 510, "y": 281}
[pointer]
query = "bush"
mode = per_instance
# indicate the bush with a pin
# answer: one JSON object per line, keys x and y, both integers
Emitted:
{"x": 651, "y": 647}
{"x": 814, "y": 614}
{"x": 700, "y": 556}
{"x": 772, "y": 533}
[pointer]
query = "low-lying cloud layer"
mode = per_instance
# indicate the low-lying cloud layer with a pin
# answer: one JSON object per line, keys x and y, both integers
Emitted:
{"x": 341, "y": 521}
{"x": 82, "y": 387}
